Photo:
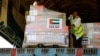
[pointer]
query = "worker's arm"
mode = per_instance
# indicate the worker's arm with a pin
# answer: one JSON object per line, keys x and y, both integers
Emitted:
{"x": 77, "y": 22}
{"x": 69, "y": 18}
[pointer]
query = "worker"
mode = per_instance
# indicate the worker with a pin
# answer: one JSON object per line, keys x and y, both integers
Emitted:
{"x": 76, "y": 29}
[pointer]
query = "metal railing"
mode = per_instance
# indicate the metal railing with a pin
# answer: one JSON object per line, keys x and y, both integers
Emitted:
{"x": 50, "y": 52}
{"x": 10, "y": 35}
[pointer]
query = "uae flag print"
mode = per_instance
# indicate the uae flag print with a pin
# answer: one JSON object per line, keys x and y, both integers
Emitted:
{"x": 54, "y": 23}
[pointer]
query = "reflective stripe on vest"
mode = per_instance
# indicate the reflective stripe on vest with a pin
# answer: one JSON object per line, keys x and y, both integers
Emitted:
{"x": 78, "y": 31}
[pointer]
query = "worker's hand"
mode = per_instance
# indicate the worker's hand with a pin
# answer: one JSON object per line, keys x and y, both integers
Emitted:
{"x": 72, "y": 25}
{"x": 84, "y": 34}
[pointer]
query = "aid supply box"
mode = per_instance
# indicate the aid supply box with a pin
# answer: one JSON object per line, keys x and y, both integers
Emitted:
{"x": 46, "y": 27}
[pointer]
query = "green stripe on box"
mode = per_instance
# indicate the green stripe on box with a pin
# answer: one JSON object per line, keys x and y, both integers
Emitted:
{"x": 55, "y": 22}
{"x": 55, "y": 19}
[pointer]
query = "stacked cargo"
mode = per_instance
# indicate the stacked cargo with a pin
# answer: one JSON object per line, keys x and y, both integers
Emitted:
{"x": 95, "y": 40}
{"x": 46, "y": 27}
{"x": 92, "y": 31}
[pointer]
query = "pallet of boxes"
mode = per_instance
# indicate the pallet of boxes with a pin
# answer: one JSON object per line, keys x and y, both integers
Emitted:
{"x": 92, "y": 38}
{"x": 45, "y": 27}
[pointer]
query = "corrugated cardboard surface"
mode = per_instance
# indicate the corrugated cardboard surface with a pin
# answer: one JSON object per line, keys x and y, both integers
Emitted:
{"x": 92, "y": 31}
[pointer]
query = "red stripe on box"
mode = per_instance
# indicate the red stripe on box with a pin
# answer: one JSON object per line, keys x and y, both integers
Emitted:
{"x": 39, "y": 7}
{"x": 50, "y": 21}
{"x": 13, "y": 52}
{"x": 79, "y": 52}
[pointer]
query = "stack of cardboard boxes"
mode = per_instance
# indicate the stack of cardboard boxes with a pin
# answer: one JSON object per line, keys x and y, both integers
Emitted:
{"x": 92, "y": 31}
{"x": 46, "y": 27}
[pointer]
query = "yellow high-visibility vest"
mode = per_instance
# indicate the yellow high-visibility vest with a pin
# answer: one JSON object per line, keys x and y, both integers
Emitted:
{"x": 78, "y": 31}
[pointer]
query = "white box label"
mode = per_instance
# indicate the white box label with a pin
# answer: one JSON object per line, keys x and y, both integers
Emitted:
{"x": 54, "y": 23}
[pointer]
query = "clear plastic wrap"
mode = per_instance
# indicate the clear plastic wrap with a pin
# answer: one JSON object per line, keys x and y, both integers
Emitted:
{"x": 45, "y": 26}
